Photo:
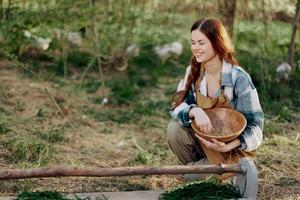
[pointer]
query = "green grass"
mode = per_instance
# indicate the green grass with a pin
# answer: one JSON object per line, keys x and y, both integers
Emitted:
{"x": 286, "y": 181}
{"x": 53, "y": 135}
{"x": 20, "y": 106}
{"x": 4, "y": 122}
{"x": 137, "y": 112}
{"x": 143, "y": 157}
{"x": 152, "y": 156}
{"x": 27, "y": 150}
{"x": 91, "y": 85}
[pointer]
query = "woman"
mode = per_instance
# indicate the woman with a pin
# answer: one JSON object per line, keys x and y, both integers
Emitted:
{"x": 213, "y": 79}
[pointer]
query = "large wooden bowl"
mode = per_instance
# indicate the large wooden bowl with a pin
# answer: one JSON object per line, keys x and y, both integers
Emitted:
{"x": 230, "y": 119}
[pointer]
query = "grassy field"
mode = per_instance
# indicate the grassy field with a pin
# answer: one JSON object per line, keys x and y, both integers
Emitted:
{"x": 33, "y": 133}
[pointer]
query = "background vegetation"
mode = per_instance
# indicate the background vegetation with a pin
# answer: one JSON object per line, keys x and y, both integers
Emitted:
{"x": 53, "y": 108}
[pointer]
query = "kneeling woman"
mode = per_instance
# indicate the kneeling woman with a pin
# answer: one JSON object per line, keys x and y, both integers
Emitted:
{"x": 213, "y": 79}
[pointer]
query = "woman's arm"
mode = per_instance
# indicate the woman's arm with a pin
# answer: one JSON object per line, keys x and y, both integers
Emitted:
{"x": 181, "y": 112}
{"x": 247, "y": 102}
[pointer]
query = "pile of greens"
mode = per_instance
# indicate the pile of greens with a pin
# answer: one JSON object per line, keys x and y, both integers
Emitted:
{"x": 209, "y": 189}
{"x": 42, "y": 195}
{"x": 48, "y": 195}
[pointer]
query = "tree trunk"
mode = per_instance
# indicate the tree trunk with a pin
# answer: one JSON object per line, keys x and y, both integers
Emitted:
{"x": 23, "y": 5}
{"x": 8, "y": 9}
{"x": 6, "y": 174}
{"x": 293, "y": 37}
{"x": 1, "y": 2}
{"x": 96, "y": 40}
{"x": 2, "y": 10}
{"x": 227, "y": 11}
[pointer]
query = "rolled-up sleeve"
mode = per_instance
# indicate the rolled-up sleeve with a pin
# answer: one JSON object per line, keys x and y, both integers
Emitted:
{"x": 248, "y": 104}
{"x": 181, "y": 112}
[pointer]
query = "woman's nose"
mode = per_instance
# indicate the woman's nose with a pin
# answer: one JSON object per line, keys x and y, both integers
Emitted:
{"x": 196, "y": 47}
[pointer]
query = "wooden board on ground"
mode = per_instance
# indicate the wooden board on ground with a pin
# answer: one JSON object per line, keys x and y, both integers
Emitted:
{"x": 130, "y": 195}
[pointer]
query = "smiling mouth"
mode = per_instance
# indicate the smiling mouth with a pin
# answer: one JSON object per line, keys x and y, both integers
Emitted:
{"x": 198, "y": 54}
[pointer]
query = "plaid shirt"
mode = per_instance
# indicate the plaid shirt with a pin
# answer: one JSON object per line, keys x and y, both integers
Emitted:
{"x": 239, "y": 89}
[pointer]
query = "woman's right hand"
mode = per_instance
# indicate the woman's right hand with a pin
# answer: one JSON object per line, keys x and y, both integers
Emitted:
{"x": 201, "y": 119}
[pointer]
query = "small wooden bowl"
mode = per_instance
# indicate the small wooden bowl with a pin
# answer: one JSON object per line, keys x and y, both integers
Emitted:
{"x": 223, "y": 117}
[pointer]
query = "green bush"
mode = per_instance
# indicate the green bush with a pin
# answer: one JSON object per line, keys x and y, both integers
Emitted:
{"x": 143, "y": 158}
{"x": 123, "y": 91}
{"x": 78, "y": 58}
{"x": 91, "y": 85}
{"x": 260, "y": 57}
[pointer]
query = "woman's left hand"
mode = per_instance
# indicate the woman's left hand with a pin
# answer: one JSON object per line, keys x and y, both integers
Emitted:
{"x": 215, "y": 144}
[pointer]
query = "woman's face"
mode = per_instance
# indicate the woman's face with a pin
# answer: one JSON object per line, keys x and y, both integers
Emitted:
{"x": 201, "y": 46}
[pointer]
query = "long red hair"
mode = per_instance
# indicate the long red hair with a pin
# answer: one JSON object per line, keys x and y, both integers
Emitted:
{"x": 215, "y": 31}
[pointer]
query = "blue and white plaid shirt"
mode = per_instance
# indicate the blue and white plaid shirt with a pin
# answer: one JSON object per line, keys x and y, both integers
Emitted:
{"x": 239, "y": 89}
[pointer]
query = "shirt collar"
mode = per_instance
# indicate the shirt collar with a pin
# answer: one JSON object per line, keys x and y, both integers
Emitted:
{"x": 226, "y": 74}
{"x": 226, "y": 78}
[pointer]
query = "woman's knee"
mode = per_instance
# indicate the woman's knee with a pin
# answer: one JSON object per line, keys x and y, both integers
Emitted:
{"x": 174, "y": 131}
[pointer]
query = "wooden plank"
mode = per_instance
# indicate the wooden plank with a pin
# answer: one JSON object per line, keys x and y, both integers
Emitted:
{"x": 6, "y": 174}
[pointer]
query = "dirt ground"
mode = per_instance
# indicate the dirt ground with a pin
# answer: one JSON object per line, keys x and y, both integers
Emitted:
{"x": 37, "y": 108}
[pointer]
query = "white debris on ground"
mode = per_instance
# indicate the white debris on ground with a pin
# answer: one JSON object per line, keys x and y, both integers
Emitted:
{"x": 75, "y": 38}
{"x": 166, "y": 51}
{"x": 43, "y": 43}
{"x": 283, "y": 72}
{"x": 104, "y": 101}
{"x": 40, "y": 42}
{"x": 132, "y": 50}
{"x": 27, "y": 34}
{"x": 72, "y": 37}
